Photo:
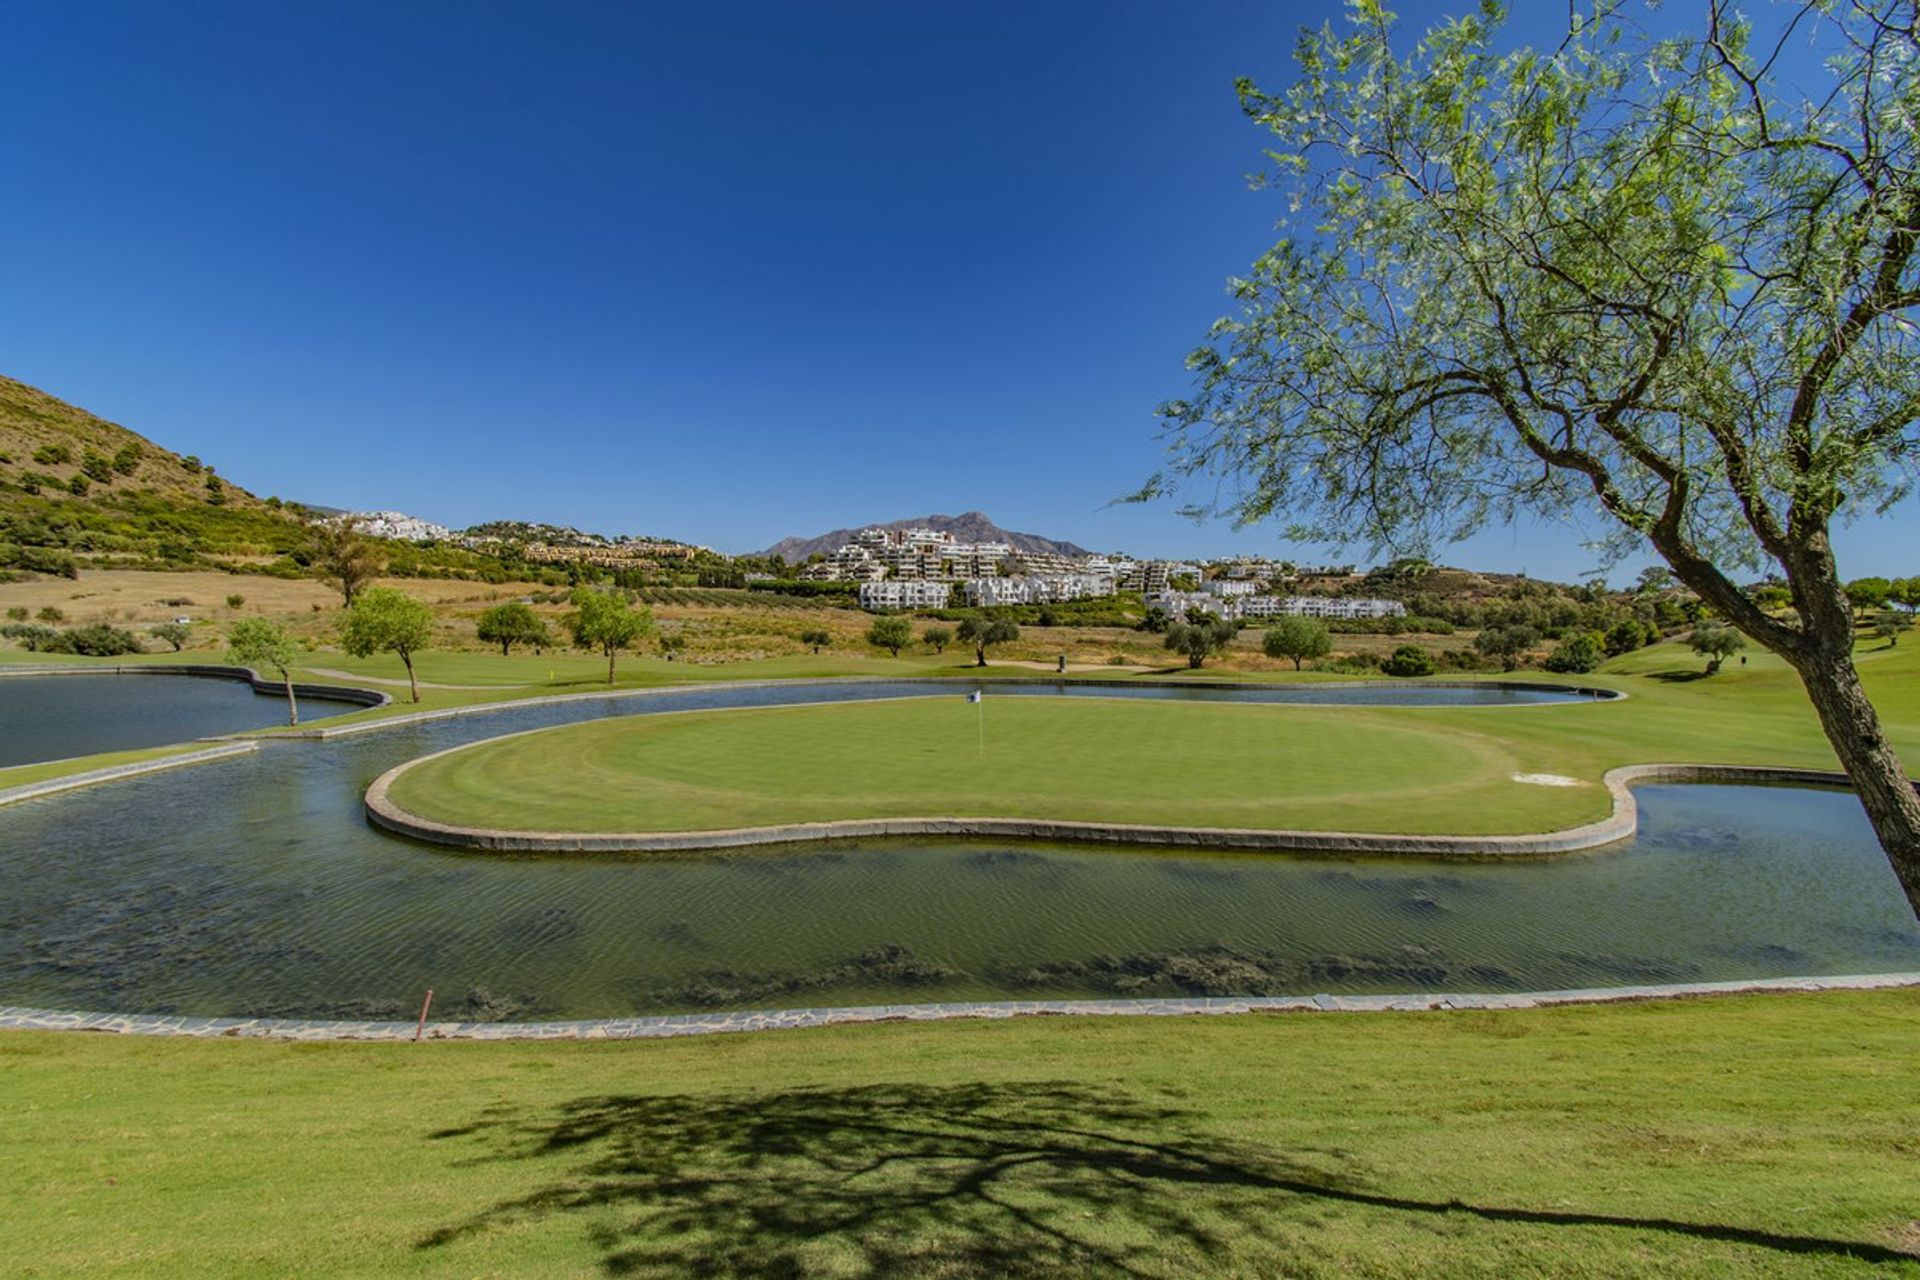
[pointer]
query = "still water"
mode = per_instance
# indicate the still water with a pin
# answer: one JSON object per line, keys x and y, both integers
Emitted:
{"x": 256, "y": 886}
{"x": 54, "y": 717}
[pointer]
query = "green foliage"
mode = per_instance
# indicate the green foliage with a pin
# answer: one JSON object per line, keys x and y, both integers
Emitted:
{"x": 31, "y": 636}
{"x": 257, "y": 643}
{"x": 891, "y": 634}
{"x": 51, "y": 613}
{"x": 1408, "y": 660}
{"x": 342, "y": 554}
{"x": 126, "y": 459}
{"x": 1868, "y": 593}
{"x": 1506, "y": 643}
{"x": 1199, "y": 640}
{"x": 817, "y": 638}
{"x": 1716, "y": 642}
{"x": 383, "y": 620}
{"x": 235, "y": 600}
{"x": 98, "y": 466}
{"x": 605, "y": 621}
{"x": 1156, "y": 621}
{"x": 513, "y": 623}
{"x": 1297, "y": 639}
{"x": 1888, "y": 626}
{"x": 53, "y": 455}
{"x": 1579, "y": 654}
{"x": 77, "y": 485}
{"x": 17, "y": 612}
{"x": 982, "y": 632}
{"x": 937, "y": 638}
{"x": 174, "y": 633}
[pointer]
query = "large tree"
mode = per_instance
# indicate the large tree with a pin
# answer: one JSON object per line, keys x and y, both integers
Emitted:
{"x": 344, "y": 554}
{"x": 1629, "y": 277}
{"x": 512, "y": 623}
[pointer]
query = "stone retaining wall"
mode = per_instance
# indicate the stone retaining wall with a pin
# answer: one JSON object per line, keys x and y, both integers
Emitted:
{"x": 695, "y": 1024}
{"x": 114, "y": 773}
{"x": 336, "y": 692}
{"x": 1618, "y": 825}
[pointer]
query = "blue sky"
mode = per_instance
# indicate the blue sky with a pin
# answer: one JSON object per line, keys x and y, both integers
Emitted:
{"x": 722, "y": 273}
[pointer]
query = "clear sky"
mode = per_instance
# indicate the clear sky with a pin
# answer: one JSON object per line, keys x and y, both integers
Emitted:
{"x": 717, "y": 272}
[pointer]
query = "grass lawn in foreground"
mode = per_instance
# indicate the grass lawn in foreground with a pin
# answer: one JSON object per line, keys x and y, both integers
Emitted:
{"x": 1753, "y": 1136}
{"x": 1441, "y": 770}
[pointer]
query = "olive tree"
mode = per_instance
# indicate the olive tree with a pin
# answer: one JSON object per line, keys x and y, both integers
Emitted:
{"x": 341, "y": 552}
{"x": 937, "y": 638}
{"x": 1637, "y": 282}
{"x": 1506, "y": 644}
{"x": 174, "y": 633}
{"x": 981, "y": 632}
{"x": 816, "y": 638}
{"x": 1716, "y": 643}
{"x": 383, "y": 620}
{"x": 891, "y": 634}
{"x": 1197, "y": 641}
{"x": 1298, "y": 638}
{"x": 256, "y": 643}
{"x": 604, "y": 620}
{"x": 513, "y": 623}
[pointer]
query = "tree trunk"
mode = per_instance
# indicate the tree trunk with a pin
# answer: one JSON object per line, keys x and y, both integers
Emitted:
{"x": 413, "y": 681}
{"x": 506, "y": 647}
{"x": 1296, "y": 664}
{"x": 293, "y": 708}
{"x": 1853, "y": 727}
{"x": 980, "y": 656}
{"x": 610, "y": 653}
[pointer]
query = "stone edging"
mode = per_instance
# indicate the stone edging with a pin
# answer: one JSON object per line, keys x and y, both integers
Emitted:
{"x": 13, "y": 1018}
{"x": 367, "y": 698}
{"x": 1594, "y": 693}
{"x": 115, "y": 773}
{"x": 1621, "y": 823}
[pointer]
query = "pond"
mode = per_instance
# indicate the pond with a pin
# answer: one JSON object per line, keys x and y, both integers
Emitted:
{"x": 54, "y": 717}
{"x": 255, "y": 886}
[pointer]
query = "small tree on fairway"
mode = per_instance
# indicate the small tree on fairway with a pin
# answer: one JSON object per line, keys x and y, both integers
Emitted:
{"x": 1198, "y": 641}
{"x": 937, "y": 638}
{"x": 341, "y": 553}
{"x": 817, "y": 638}
{"x": 382, "y": 620}
{"x": 174, "y": 633}
{"x": 1508, "y": 644}
{"x": 1889, "y": 625}
{"x": 605, "y": 621}
{"x": 1577, "y": 655}
{"x": 982, "y": 632}
{"x": 891, "y": 634}
{"x": 1297, "y": 638}
{"x": 1716, "y": 643}
{"x": 513, "y": 623}
{"x": 255, "y": 642}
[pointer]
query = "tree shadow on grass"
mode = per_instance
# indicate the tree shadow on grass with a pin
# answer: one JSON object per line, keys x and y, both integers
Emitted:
{"x": 974, "y": 1179}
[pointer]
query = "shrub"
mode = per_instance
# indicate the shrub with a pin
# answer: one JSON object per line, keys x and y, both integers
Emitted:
{"x": 17, "y": 613}
{"x": 98, "y": 466}
{"x": 53, "y": 455}
{"x": 1408, "y": 660}
{"x": 78, "y": 486}
{"x": 127, "y": 460}
{"x": 1579, "y": 654}
{"x": 173, "y": 633}
{"x": 235, "y": 600}
{"x": 100, "y": 641}
{"x": 49, "y": 613}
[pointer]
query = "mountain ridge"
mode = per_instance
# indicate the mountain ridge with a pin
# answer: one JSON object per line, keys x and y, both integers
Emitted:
{"x": 969, "y": 526}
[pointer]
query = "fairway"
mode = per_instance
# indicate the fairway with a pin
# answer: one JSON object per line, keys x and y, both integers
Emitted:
{"x": 1757, "y": 1136}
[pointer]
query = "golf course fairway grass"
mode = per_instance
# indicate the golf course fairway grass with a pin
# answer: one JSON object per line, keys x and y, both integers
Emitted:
{"x": 1747, "y": 1136}
{"x": 1393, "y": 770}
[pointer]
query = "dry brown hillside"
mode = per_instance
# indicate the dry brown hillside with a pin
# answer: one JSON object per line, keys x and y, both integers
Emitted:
{"x": 45, "y": 442}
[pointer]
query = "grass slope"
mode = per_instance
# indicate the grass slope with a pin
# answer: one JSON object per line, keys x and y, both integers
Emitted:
{"x": 1347, "y": 768}
{"x": 1758, "y": 1136}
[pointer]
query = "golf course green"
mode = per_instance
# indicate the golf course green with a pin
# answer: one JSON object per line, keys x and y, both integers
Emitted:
{"x": 1451, "y": 770}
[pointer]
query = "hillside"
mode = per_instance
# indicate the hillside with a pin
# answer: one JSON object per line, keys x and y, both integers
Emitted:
{"x": 52, "y": 447}
{"x": 973, "y": 526}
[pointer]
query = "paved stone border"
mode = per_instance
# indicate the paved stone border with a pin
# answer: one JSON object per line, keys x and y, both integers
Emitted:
{"x": 1621, "y": 823}
{"x": 1587, "y": 692}
{"x": 114, "y": 773}
{"x": 13, "y": 1018}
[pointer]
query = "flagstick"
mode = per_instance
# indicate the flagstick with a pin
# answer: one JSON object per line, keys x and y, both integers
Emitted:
{"x": 982, "y": 704}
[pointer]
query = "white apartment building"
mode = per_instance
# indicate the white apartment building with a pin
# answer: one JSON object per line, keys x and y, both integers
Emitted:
{"x": 896, "y": 593}
{"x": 1045, "y": 589}
{"x": 1179, "y": 603}
{"x": 1229, "y": 587}
{"x": 1342, "y": 607}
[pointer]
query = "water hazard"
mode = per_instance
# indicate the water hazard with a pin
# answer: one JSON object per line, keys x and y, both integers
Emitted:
{"x": 255, "y": 886}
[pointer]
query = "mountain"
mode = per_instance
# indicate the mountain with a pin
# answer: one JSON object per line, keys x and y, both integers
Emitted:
{"x": 48, "y": 446}
{"x": 974, "y": 526}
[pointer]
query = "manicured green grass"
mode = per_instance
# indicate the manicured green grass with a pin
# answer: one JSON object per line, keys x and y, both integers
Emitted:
{"x": 21, "y": 775}
{"x": 1758, "y": 1136}
{"x": 1443, "y": 770}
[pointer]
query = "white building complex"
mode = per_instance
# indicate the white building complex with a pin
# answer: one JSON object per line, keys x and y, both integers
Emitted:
{"x": 1234, "y": 605}
{"x": 905, "y": 593}
{"x": 1038, "y": 589}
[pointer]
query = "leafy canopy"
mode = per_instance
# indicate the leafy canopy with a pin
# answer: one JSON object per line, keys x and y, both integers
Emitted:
{"x": 1625, "y": 274}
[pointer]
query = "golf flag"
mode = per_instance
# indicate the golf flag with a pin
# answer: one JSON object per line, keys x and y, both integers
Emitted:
{"x": 974, "y": 696}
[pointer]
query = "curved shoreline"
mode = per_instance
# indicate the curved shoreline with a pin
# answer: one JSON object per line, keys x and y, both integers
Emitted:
{"x": 384, "y": 812}
{"x": 1586, "y": 693}
{"x": 367, "y": 698}
{"x": 668, "y": 1026}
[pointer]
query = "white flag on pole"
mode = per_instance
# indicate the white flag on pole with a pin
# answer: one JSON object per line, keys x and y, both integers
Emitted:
{"x": 974, "y": 696}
